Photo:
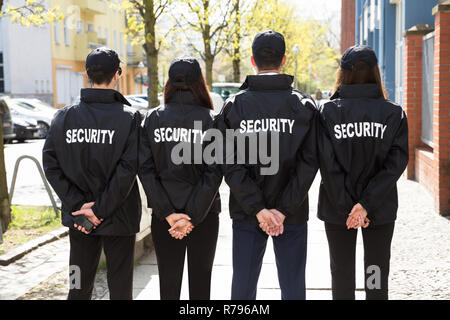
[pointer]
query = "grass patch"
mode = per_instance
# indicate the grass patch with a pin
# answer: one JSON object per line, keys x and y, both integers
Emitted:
{"x": 28, "y": 223}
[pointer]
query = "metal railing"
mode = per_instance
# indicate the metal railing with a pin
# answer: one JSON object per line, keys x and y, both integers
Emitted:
{"x": 44, "y": 180}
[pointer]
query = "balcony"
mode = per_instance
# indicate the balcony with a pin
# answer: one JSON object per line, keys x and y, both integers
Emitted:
{"x": 85, "y": 43}
{"x": 93, "y": 6}
{"x": 135, "y": 55}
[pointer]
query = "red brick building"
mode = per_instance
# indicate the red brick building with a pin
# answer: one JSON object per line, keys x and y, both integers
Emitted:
{"x": 347, "y": 24}
{"x": 412, "y": 41}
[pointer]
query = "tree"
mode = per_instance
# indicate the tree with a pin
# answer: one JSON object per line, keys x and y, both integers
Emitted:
{"x": 240, "y": 28}
{"x": 236, "y": 37}
{"x": 317, "y": 60}
{"x": 209, "y": 18}
{"x": 30, "y": 13}
{"x": 142, "y": 17}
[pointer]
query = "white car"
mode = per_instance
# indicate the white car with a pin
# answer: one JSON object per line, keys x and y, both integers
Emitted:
{"x": 137, "y": 103}
{"x": 217, "y": 102}
{"x": 33, "y": 109}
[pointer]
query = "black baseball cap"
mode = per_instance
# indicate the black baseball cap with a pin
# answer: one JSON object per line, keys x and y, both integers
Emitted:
{"x": 269, "y": 39}
{"x": 184, "y": 71}
{"x": 358, "y": 53}
{"x": 104, "y": 57}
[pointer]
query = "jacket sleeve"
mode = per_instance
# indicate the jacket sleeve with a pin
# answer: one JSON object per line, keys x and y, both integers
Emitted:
{"x": 123, "y": 177}
{"x": 149, "y": 178}
{"x": 333, "y": 175}
{"x": 237, "y": 176}
{"x": 298, "y": 186}
{"x": 71, "y": 196}
{"x": 394, "y": 165}
{"x": 204, "y": 194}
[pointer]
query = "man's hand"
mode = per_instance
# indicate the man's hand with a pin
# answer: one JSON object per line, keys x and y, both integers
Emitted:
{"x": 269, "y": 222}
{"x": 274, "y": 232}
{"x": 89, "y": 214}
{"x": 181, "y": 229}
{"x": 87, "y": 205}
{"x": 357, "y": 217}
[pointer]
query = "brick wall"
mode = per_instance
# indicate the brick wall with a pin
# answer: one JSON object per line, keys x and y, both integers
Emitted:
{"x": 347, "y": 24}
{"x": 441, "y": 113}
{"x": 424, "y": 168}
{"x": 413, "y": 93}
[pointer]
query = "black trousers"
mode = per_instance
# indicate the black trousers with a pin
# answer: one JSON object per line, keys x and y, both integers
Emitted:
{"x": 170, "y": 254}
{"x": 85, "y": 254}
{"x": 377, "y": 252}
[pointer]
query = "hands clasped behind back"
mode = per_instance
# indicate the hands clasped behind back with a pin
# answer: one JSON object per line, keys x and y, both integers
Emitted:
{"x": 271, "y": 222}
{"x": 180, "y": 225}
{"x": 86, "y": 210}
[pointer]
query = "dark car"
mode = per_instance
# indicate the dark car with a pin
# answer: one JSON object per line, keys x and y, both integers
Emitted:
{"x": 7, "y": 124}
{"x": 25, "y": 128}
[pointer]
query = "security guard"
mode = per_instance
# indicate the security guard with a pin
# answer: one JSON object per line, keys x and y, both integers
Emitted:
{"x": 182, "y": 192}
{"x": 269, "y": 203}
{"x": 363, "y": 150}
{"x": 90, "y": 158}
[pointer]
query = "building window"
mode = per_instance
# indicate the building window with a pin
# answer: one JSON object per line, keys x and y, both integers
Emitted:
{"x": 80, "y": 26}
{"x": 399, "y": 51}
{"x": 56, "y": 32}
{"x": 129, "y": 49}
{"x": 2, "y": 79}
{"x": 90, "y": 27}
{"x": 372, "y": 15}
{"x": 107, "y": 36}
{"x": 66, "y": 32}
{"x": 361, "y": 31}
{"x": 366, "y": 23}
{"x": 121, "y": 44}
{"x": 99, "y": 33}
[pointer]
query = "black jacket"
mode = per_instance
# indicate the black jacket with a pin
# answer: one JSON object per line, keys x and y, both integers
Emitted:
{"x": 363, "y": 150}
{"x": 91, "y": 154}
{"x": 269, "y": 104}
{"x": 170, "y": 186}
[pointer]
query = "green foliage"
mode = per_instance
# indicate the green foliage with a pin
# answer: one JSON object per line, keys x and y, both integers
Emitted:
{"x": 28, "y": 217}
{"x": 32, "y": 12}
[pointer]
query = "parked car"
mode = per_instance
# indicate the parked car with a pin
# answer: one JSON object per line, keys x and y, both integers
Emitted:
{"x": 137, "y": 103}
{"x": 34, "y": 109}
{"x": 218, "y": 102}
{"x": 25, "y": 128}
{"x": 140, "y": 96}
{"x": 7, "y": 124}
{"x": 226, "y": 89}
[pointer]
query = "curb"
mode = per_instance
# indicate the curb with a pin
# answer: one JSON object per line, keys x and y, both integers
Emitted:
{"x": 20, "y": 251}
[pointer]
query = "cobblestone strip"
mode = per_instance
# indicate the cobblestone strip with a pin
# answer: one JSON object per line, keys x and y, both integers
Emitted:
{"x": 19, "y": 277}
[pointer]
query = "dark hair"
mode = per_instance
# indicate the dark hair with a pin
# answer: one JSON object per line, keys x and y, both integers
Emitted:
{"x": 363, "y": 75}
{"x": 267, "y": 58}
{"x": 199, "y": 89}
{"x": 98, "y": 76}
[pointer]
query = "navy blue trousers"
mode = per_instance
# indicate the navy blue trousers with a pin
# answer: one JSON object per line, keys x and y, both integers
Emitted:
{"x": 249, "y": 246}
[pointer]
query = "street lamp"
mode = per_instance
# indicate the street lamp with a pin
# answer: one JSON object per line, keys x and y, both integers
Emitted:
{"x": 296, "y": 51}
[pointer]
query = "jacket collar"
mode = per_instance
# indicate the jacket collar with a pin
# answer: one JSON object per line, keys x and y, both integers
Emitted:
{"x": 91, "y": 95}
{"x": 353, "y": 91}
{"x": 268, "y": 82}
{"x": 184, "y": 97}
